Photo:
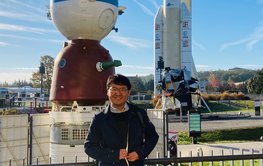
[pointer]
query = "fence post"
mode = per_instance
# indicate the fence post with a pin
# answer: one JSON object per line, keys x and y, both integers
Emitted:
{"x": 190, "y": 155}
{"x": 63, "y": 159}
{"x": 222, "y": 161}
{"x": 164, "y": 135}
{"x": 211, "y": 154}
{"x": 180, "y": 155}
{"x": 200, "y": 154}
{"x": 252, "y": 160}
{"x": 232, "y": 161}
{"x": 30, "y": 120}
{"x": 10, "y": 162}
{"x": 76, "y": 158}
{"x": 242, "y": 161}
{"x": 157, "y": 156}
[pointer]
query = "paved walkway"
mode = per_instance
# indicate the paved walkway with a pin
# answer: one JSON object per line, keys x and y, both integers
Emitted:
{"x": 251, "y": 122}
{"x": 223, "y": 148}
{"x": 219, "y": 149}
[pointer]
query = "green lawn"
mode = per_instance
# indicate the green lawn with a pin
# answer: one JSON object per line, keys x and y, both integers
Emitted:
{"x": 231, "y": 135}
{"x": 237, "y": 135}
{"x": 219, "y": 107}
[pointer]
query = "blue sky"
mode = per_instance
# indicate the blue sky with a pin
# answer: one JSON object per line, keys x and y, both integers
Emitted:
{"x": 226, "y": 34}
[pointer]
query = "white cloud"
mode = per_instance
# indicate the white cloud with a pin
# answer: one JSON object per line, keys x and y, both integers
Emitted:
{"x": 155, "y": 4}
{"x": 31, "y": 38}
{"x": 211, "y": 68}
{"x": 12, "y": 77}
{"x": 24, "y": 17}
{"x": 203, "y": 67}
{"x": 3, "y": 44}
{"x": 198, "y": 45}
{"x": 12, "y": 14}
{"x": 29, "y": 11}
{"x": 250, "y": 41}
{"x": 230, "y": 44}
{"x": 12, "y": 27}
{"x": 137, "y": 67}
{"x": 56, "y": 41}
{"x": 18, "y": 37}
{"x": 144, "y": 8}
{"x": 15, "y": 74}
{"x": 129, "y": 42}
{"x": 30, "y": 6}
{"x": 26, "y": 68}
{"x": 251, "y": 66}
{"x": 133, "y": 70}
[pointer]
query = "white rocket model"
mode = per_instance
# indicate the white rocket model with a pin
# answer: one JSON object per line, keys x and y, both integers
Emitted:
{"x": 173, "y": 37}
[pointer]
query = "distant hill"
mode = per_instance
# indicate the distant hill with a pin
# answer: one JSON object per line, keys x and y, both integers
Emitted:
{"x": 237, "y": 68}
{"x": 235, "y": 74}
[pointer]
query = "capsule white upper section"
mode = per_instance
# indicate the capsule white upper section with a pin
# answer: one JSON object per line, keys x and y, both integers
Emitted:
{"x": 83, "y": 19}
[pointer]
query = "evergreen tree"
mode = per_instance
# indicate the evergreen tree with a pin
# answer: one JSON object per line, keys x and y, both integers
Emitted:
{"x": 255, "y": 84}
{"x": 21, "y": 83}
{"x": 137, "y": 85}
{"x": 149, "y": 85}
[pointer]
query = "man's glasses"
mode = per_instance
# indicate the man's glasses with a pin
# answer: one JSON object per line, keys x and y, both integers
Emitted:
{"x": 115, "y": 90}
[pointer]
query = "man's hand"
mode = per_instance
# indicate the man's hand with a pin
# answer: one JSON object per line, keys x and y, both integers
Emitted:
{"x": 133, "y": 156}
{"x": 123, "y": 154}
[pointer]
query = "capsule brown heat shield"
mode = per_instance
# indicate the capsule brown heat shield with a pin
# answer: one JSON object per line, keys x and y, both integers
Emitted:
{"x": 75, "y": 77}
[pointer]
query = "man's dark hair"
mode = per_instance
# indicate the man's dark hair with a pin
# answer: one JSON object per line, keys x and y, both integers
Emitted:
{"x": 118, "y": 79}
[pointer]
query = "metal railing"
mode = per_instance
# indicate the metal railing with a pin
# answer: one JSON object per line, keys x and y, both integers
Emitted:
{"x": 189, "y": 160}
{"x": 212, "y": 160}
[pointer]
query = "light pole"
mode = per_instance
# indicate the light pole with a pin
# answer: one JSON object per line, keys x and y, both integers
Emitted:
{"x": 41, "y": 71}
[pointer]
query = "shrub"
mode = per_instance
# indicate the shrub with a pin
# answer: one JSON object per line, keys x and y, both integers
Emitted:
{"x": 225, "y": 96}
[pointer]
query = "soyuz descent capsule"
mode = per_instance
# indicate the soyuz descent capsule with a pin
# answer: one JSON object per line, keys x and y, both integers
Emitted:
{"x": 78, "y": 74}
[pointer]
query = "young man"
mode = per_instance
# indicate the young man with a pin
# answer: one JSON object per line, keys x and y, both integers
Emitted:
{"x": 122, "y": 134}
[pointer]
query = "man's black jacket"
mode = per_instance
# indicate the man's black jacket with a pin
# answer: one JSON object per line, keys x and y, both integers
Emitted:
{"x": 103, "y": 142}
